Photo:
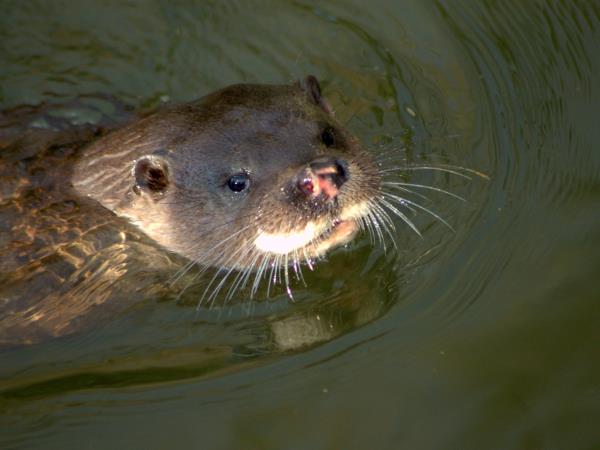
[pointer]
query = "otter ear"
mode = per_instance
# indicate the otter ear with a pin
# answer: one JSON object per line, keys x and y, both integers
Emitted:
{"x": 311, "y": 86}
{"x": 151, "y": 174}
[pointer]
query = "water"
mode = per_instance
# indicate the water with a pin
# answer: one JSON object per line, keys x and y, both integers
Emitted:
{"x": 485, "y": 337}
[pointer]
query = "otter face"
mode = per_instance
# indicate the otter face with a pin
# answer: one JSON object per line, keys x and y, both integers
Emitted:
{"x": 248, "y": 177}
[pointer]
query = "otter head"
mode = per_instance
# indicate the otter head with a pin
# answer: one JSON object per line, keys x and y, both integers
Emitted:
{"x": 248, "y": 176}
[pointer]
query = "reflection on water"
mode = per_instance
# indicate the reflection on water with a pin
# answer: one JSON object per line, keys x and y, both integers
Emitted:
{"x": 485, "y": 334}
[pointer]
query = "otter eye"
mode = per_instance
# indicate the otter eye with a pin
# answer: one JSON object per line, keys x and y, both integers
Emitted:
{"x": 328, "y": 137}
{"x": 238, "y": 182}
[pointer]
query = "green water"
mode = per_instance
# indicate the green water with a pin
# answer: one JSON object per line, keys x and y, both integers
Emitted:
{"x": 485, "y": 337}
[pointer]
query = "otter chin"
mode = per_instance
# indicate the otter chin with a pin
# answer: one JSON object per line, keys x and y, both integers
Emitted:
{"x": 248, "y": 177}
{"x": 317, "y": 240}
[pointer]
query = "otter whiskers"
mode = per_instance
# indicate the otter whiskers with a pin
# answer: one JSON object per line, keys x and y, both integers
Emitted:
{"x": 246, "y": 266}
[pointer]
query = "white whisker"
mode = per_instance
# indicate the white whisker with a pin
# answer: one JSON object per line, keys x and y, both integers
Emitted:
{"x": 401, "y": 215}
{"x": 400, "y": 184}
{"x": 403, "y": 202}
{"x": 439, "y": 169}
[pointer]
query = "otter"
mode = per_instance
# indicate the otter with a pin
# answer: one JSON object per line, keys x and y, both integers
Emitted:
{"x": 253, "y": 180}
{"x": 247, "y": 175}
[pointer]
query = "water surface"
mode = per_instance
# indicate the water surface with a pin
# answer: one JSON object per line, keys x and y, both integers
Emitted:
{"x": 482, "y": 337}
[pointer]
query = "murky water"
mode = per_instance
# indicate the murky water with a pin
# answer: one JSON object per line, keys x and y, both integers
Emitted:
{"x": 487, "y": 336}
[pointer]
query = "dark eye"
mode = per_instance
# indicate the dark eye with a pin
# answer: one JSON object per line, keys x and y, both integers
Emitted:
{"x": 328, "y": 137}
{"x": 238, "y": 182}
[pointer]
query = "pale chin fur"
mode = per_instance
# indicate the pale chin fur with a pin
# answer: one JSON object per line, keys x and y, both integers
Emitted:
{"x": 286, "y": 243}
{"x": 283, "y": 243}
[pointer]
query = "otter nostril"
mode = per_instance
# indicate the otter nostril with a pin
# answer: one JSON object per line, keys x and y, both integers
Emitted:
{"x": 306, "y": 186}
{"x": 335, "y": 170}
{"x": 342, "y": 171}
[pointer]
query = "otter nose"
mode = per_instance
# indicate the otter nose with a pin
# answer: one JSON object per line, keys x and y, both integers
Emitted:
{"x": 334, "y": 169}
{"x": 323, "y": 176}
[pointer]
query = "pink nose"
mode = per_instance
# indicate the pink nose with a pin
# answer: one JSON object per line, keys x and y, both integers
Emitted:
{"x": 323, "y": 177}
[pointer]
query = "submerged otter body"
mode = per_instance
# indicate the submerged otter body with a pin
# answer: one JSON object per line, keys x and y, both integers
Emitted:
{"x": 251, "y": 179}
